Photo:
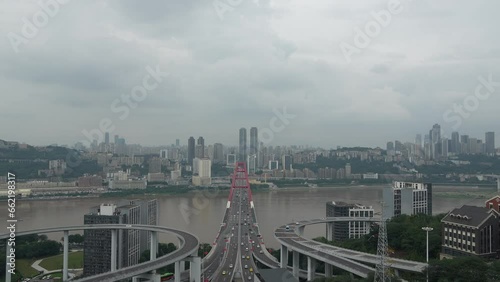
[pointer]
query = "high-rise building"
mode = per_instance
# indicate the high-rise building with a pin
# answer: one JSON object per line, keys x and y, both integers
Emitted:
{"x": 202, "y": 172}
{"x": 348, "y": 170}
{"x": 390, "y": 146}
{"x": 254, "y": 143}
{"x": 252, "y": 163}
{"x": 177, "y": 143}
{"x": 464, "y": 144}
{"x": 116, "y": 139}
{"x": 490, "y": 143}
{"x": 418, "y": 141}
{"x": 200, "y": 148}
{"x": 149, "y": 216}
{"x": 191, "y": 150}
{"x": 218, "y": 153}
{"x": 398, "y": 146}
{"x": 347, "y": 229}
{"x": 444, "y": 147}
{"x": 97, "y": 243}
{"x": 106, "y": 138}
{"x": 230, "y": 159}
{"x": 435, "y": 136}
{"x": 408, "y": 198}
{"x": 455, "y": 143}
{"x": 242, "y": 157}
{"x": 286, "y": 162}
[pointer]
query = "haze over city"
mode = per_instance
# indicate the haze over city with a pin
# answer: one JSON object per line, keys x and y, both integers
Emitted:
{"x": 231, "y": 67}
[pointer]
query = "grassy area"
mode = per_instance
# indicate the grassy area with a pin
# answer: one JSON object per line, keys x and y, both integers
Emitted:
{"x": 24, "y": 267}
{"x": 75, "y": 260}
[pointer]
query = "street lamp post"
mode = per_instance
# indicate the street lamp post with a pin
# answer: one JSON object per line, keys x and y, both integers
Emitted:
{"x": 427, "y": 230}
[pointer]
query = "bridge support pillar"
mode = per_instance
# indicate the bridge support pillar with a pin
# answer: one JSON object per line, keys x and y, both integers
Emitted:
{"x": 284, "y": 257}
{"x": 498, "y": 184}
{"x": 154, "y": 245}
{"x": 194, "y": 269}
{"x": 328, "y": 270}
{"x": 7, "y": 267}
{"x": 329, "y": 231}
{"x": 301, "y": 230}
{"x": 295, "y": 270}
{"x": 114, "y": 247}
{"x": 65, "y": 256}
{"x": 177, "y": 271}
{"x": 311, "y": 268}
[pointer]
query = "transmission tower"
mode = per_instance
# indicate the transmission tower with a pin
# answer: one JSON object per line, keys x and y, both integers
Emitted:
{"x": 382, "y": 270}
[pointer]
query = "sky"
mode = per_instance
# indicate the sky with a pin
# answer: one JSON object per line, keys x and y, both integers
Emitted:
{"x": 347, "y": 73}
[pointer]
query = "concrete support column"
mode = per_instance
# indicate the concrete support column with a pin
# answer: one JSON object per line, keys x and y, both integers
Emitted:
{"x": 114, "y": 247}
{"x": 195, "y": 269}
{"x": 177, "y": 271}
{"x": 7, "y": 267}
{"x": 498, "y": 184}
{"x": 65, "y": 256}
{"x": 154, "y": 245}
{"x": 328, "y": 270}
{"x": 311, "y": 268}
{"x": 295, "y": 270}
{"x": 301, "y": 230}
{"x": 284, "y": 257}
{"x": 329, "y": 233}
{"x": 135, "y": 279}
{"x": 183, "y": 266}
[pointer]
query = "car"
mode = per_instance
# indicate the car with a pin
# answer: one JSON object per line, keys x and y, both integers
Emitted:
{"x": 297, "y": 223}
{"x": 128, "y": 225}
{"x": 249, "y": 277}
{"x": 251, "y": 269}
{"x": 243, "y": 256}
{"x": 242, "y": 243}
{"x": 231, "y": 265}
{"x": 246, "y": 249}
{"x": 224, "y": 272}
{"x": 287, "y": 227}
{"x": 248, "y": 257}
{"x": 261, "y": 252}
{"x": 246, "y": 266}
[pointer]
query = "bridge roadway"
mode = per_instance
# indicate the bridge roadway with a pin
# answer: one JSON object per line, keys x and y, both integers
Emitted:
{"x": 352, "y": 261}
{"x": 189, "y": 246}
{"x": 231, "y": 254}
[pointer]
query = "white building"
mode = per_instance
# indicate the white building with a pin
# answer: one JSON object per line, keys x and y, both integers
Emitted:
{"x": 202, "y": 172}
{"x": 347, "y": 229}
{"x": 407, "y": 198}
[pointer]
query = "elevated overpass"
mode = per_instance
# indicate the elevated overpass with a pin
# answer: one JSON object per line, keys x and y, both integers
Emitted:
{"x": 291, "y": 239}
{"x": 187, "y": 251}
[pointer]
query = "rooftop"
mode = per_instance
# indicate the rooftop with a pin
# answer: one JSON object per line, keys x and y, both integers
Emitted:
{"x": 469, "y": 215}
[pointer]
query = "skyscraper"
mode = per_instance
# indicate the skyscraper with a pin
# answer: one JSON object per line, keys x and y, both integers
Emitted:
{"x": 490, "y": 143}
{"x": 218, "y": 153}
{"x": 106, "y": 138}
{"x": 200, "y": 148}
{"x": 455, "y": 143}
{"x": 116, "y": 139}
{"x": 190, "y": 150}
{"x": 254, "y": 143}
{"x": 242, "y": 156}
{"x": 177, "y": 143}
{"x": 435, "y": 135}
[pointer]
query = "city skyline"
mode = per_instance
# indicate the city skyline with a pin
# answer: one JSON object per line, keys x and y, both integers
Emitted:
{"x": 413, "y": 73}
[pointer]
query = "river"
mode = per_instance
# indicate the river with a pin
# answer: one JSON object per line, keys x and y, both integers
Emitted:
{"x": 202, "y": 214}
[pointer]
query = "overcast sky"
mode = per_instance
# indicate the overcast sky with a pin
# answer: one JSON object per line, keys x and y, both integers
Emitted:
{"x": 229, "y": 67}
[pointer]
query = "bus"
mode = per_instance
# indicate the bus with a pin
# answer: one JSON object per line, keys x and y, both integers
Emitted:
{"x": 167, "y": 276}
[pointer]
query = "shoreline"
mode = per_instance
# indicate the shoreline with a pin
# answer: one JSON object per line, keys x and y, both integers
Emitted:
{"x": 472, "y": 190}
